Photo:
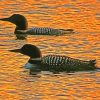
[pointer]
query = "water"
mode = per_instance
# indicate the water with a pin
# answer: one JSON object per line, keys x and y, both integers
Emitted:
{"x": 84, "y": 17}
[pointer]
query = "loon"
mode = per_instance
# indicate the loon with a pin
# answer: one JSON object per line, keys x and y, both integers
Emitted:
{"x": 53, "y": 63}
{"x": 21, "y": 30}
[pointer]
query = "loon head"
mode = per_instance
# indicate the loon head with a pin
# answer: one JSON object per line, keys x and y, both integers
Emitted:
{"x": 17, "y": 19}
{"x": 30, "y": 50}
{"x": 20, "y": 22}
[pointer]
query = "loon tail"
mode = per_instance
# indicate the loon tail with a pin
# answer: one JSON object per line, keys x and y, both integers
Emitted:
{"x": 71, "y": 30}
{"x": 67, "y": 31}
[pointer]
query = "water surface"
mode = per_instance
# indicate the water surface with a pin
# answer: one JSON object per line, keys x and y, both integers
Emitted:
{"x": 81, "y": 15}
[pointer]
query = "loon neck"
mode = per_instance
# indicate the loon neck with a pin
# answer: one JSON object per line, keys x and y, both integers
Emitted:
{"x": 21, "y": 27}
{"x": 20, "y": 35}
{"x": 35, "y": 60}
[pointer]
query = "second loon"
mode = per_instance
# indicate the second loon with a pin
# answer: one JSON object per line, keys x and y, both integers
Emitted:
{"x": 53, "y": 63}
{"x": 22, "y": 30}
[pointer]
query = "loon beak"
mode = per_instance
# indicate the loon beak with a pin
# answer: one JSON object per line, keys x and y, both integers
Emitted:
{"x": 4, "y": 19}
{"x": 16, "y": 50}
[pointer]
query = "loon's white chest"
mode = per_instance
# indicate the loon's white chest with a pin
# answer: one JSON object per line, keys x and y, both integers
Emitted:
{"x": 29, "y": 65}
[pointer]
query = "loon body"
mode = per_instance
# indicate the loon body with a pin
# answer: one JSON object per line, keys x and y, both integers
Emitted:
{"x": 22, "y": 30}
{"x": 53, "y": 62}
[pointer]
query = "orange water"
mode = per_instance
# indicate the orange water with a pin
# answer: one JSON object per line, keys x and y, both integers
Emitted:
{"x": 81, "y": 15}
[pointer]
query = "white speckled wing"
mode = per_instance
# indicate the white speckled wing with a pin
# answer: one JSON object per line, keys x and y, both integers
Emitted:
{"x": 44, "y": 31}
{"x": 65, "y": 63}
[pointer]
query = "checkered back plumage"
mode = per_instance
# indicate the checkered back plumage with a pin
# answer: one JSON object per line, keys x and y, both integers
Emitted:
{"x": 45, "y": 31}
{"x": 62, "y": 63}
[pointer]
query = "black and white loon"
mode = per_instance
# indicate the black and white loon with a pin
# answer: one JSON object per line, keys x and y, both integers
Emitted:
{"x": 53, "y": 63}
{"x": 22, "y": 30}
